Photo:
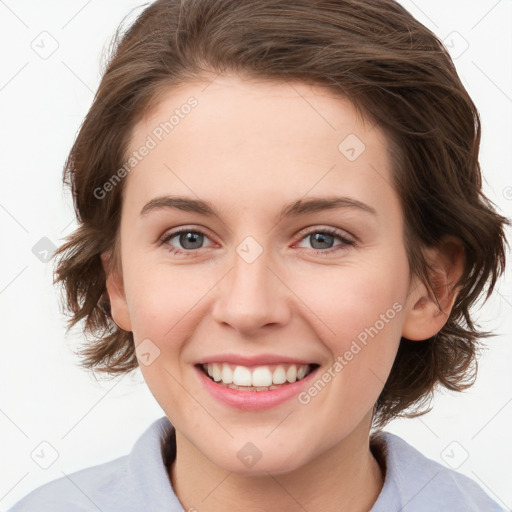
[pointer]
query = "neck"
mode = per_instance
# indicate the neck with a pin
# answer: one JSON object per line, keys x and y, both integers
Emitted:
{"x": 345, "y": 478}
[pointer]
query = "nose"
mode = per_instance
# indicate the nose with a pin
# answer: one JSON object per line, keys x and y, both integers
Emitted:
{"x": 252, "y": 296}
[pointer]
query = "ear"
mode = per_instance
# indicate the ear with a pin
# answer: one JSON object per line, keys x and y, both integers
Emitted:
{"x": 423, "y": 318}
{"x": 115, "y": 290}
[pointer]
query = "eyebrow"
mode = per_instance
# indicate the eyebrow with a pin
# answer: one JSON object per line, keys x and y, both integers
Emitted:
{"x": 295, "y": 209}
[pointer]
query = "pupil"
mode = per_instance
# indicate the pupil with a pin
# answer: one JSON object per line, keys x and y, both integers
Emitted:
{"x": 322, "y": 237}
{"x": 190, "y": 237}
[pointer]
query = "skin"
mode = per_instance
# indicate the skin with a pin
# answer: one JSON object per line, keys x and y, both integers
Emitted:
{"x": 250, "y": 148}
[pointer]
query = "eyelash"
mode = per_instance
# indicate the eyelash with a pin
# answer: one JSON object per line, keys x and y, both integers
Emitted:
{"x": 304, "y": 234}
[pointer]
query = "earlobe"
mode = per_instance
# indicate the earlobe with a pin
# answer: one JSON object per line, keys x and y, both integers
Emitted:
{"x": 116, "y": 294}
{"x": 428, "y": 309}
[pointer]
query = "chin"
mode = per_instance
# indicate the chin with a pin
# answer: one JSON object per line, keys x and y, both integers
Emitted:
{"x": 251, "y": 462}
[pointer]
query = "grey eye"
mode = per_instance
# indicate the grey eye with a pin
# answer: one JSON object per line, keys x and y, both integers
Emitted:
{"x": 190, "y": 239}
{"x": 321, "y": 240}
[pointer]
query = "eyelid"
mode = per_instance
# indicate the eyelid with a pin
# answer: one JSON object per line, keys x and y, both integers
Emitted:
{"x": 318, "y": 228}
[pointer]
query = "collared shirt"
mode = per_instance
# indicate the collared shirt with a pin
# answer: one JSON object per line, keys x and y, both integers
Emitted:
{"x": 139, "y": 482}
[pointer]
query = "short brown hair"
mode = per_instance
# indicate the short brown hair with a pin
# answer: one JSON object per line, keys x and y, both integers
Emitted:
{"x": 394, "y": 70}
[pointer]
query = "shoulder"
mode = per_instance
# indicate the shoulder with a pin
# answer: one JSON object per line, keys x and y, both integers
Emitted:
{"x": 82, "y": 490}
{"x": 134, "y": 482}
{"x": 416, "y": 483}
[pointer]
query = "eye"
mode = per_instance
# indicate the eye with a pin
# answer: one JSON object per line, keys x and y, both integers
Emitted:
{"x": 189, "y": 240}
{"x": 322, "y": 239}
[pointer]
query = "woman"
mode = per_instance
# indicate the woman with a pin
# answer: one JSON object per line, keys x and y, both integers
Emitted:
{"x": 321, "y": 159}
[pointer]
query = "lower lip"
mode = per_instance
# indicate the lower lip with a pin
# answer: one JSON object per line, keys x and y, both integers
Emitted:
{"x": 254, "y": 400}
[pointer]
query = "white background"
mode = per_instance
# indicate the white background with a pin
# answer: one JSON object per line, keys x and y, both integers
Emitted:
{"x": 45, "y": 397}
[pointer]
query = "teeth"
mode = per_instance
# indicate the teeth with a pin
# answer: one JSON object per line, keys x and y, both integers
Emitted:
{"x": 216, "y": 372}
{"x": 301, "y": 372}
{"x": 227, "y": 374}
{"x": 291, "y": 373}
{"x": 261, "y": 377}
{"x": 242, "y": 376}
{"x": 279, "y": 375}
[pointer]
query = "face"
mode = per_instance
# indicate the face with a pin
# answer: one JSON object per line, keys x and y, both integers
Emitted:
{"x": 261, "y": 240}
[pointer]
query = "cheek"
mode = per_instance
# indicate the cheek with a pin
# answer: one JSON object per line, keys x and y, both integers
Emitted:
{"x": 161, "y": 299}
{"x": 356, "y": 302}
{"x": 361, "y": 311}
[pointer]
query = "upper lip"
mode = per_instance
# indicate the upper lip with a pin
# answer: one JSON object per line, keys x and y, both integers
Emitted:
{"x": 255, "y": 360}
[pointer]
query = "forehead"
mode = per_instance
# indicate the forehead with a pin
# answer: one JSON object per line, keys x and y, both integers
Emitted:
{"x": 248, "y": 141}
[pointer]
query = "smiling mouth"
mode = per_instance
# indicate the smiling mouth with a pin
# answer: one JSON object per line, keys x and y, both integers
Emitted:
{"x": 256, "y": 378}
